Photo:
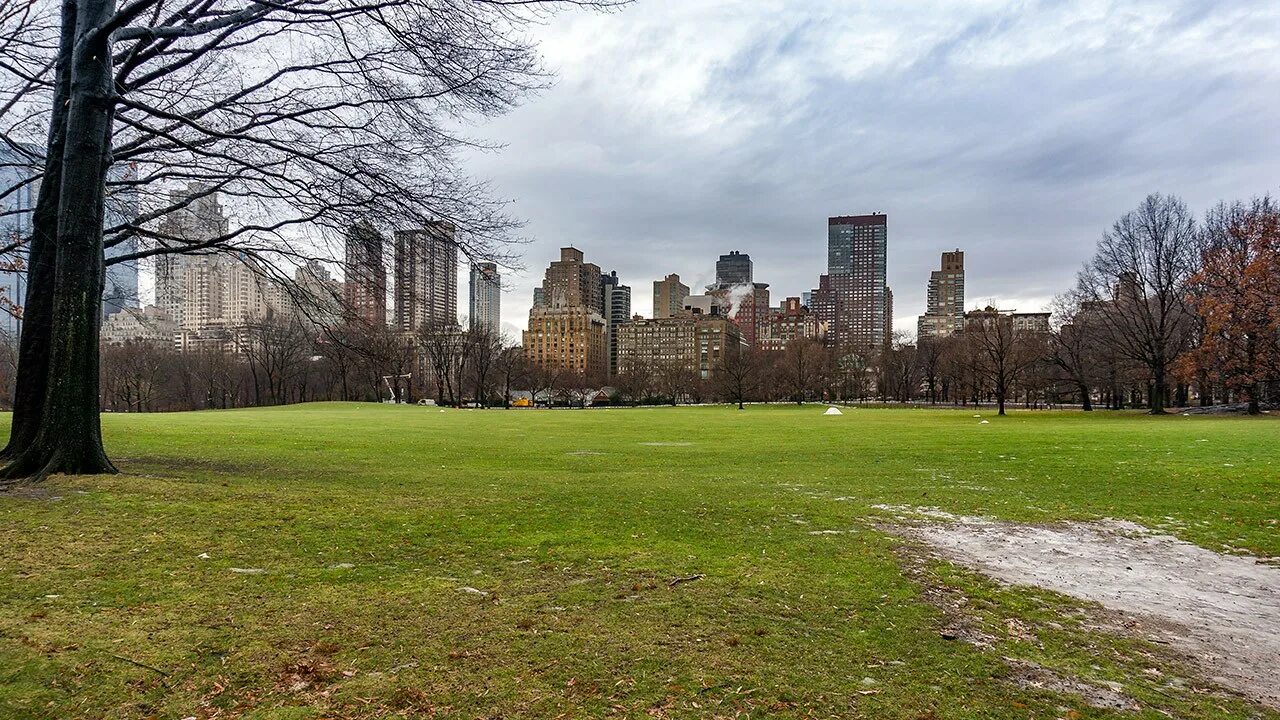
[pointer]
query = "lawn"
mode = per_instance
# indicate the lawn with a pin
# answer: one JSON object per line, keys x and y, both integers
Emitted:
{"x": 366, "y": 561}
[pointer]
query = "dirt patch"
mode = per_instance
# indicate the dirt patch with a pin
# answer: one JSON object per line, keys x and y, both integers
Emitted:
{"x": 1222, "y": 611}
{"x": 182, "y": 467}
{"x": 27, "y": 491}
{"x": 1026, "y": 674}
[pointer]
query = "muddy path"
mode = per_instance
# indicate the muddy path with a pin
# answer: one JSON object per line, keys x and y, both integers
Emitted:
{"x": 1222, "y": 612}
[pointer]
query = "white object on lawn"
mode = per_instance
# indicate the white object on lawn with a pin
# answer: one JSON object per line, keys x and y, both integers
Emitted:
{"x": 833, "y": 411}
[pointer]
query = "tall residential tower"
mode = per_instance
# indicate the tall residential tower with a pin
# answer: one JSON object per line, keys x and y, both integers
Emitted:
{"x": 485, "y": 308}
{"x": 364, "y": 287}
{"x": 668, "y": 296}
{"x": 944, "y": 314}
{"x": 853, "y": 298}
{"x": 426, "y": 291}
{"x": 615, "y": 308}
{"x": 566, "y": 331}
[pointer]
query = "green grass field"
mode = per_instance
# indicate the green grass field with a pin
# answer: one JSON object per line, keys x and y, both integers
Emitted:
{"x": 367, "y": 522}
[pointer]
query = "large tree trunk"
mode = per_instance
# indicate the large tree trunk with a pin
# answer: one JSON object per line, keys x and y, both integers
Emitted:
{"x": 1085, "y": 401}
{"x": 1159, "y": 392}
{"x": 37, "y": 316}
{"x": 70, "y": 436}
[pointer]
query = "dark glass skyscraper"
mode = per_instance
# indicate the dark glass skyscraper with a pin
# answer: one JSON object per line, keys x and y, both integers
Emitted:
{"x": 733, "y": 269}
{"x": 852, "y": 298}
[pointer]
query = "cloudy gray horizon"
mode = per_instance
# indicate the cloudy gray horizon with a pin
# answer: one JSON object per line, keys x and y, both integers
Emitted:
{"x": 1016, "y": 131}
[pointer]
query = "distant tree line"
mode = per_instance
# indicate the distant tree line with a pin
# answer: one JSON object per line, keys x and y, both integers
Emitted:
{"x": 285, "y": 361}
{"x": 1171, "y": 310}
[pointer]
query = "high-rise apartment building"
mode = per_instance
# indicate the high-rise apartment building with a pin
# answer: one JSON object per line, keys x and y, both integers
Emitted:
{"x": 227, "y": 292}
{"x": 571, "y": 282}
{"x": 121, "y": 207}
{"x": 669, "y": 295}
{"x": 853, "y": 298}
{"x": 1032, "y": 323}
{"x": 364, "y": 287}
{"x": 212, "y": 299}
{"x": 615, "y": 308}
{"x": 888, "y": 316}
{"x": 734, "y": 269}
{"x": 20, "y": 166}
{"x": 485, "y": 308}
{"x": 198, "y": 217}
{"x": 18, "y": 190}
{"x": 426, "y": 278}
{"x": 746, "y": 302}
{"x": 149, "y": 325}
{"x": 318, "y": 296}
{"x": 690, "y": 340}
{"x": 793, "y": 321}
{"x": 566, "y": 331}
{"x": 944, "y": 311}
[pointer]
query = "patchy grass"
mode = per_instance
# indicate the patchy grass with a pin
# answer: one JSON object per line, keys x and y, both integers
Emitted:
{"x": 520, "y": 564}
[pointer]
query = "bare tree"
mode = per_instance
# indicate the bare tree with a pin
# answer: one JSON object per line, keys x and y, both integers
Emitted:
{"x": 801, "y": 369}
{"x": 276, "y": 352}
{"x": 930, "y": 352}
{"x": 582, "y": 385}
{"x": 485, "y": 353}
{"x": 352, "y": 123}
{"x": 447, "y": 350}
{"x": 132, "y": 374}
{"x": 740, "y": 374}
{"x": 545, "y": 381}
{"x": 1138, "y": 283}
{"x": 635, "y": 380}
{"x": 899, "y": 371}
{"x": 511, "y": 369}
{"x": 1073, "y": 347}
{"x": 1001, "y": 351}
{"x": 671, "y": 379}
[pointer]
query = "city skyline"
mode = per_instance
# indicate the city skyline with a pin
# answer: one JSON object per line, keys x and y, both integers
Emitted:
{"x": 758, "y": 132}
{"x": 980, "y": 126}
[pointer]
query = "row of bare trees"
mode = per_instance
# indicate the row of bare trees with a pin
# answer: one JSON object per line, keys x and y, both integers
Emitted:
{"x": 290, "y": 361}
{"x": 1170, "y": 310}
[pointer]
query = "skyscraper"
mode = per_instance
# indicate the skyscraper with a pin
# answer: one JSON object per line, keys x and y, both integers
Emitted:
{"x": 364, "y": 287}
{"x": 745, "y": 302}
{"x": 615, "y": 305}
{"x": 120, "y": 284}
{"x": 19, "y": 190}
{"x": 318, "y": 295}
{"x": 852, "y": 298}
{"x": 211, "y": 298}
{"x": 486, "y": 298}
{"x": 566, "y": 332}
{"x": 733, "y": 269}
{"x": 888, "y": 316}
{"x": 944, "y": 312}
{"x": 668, "y": 296}
{"x": 198, "y": 217}
{"x": 17, "y": 201}
{"x": 426, "y": 288}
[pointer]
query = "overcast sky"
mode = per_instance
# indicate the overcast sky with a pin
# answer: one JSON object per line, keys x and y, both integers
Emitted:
{"x": 678, "y": 130}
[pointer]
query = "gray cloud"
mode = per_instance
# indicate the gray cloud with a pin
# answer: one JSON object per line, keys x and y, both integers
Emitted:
{"x": 1014, "y": 130}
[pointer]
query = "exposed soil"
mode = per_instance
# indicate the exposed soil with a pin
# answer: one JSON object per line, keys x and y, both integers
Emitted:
{"x": 1233, "y": 409}
{"x": 1221, "y": 611}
